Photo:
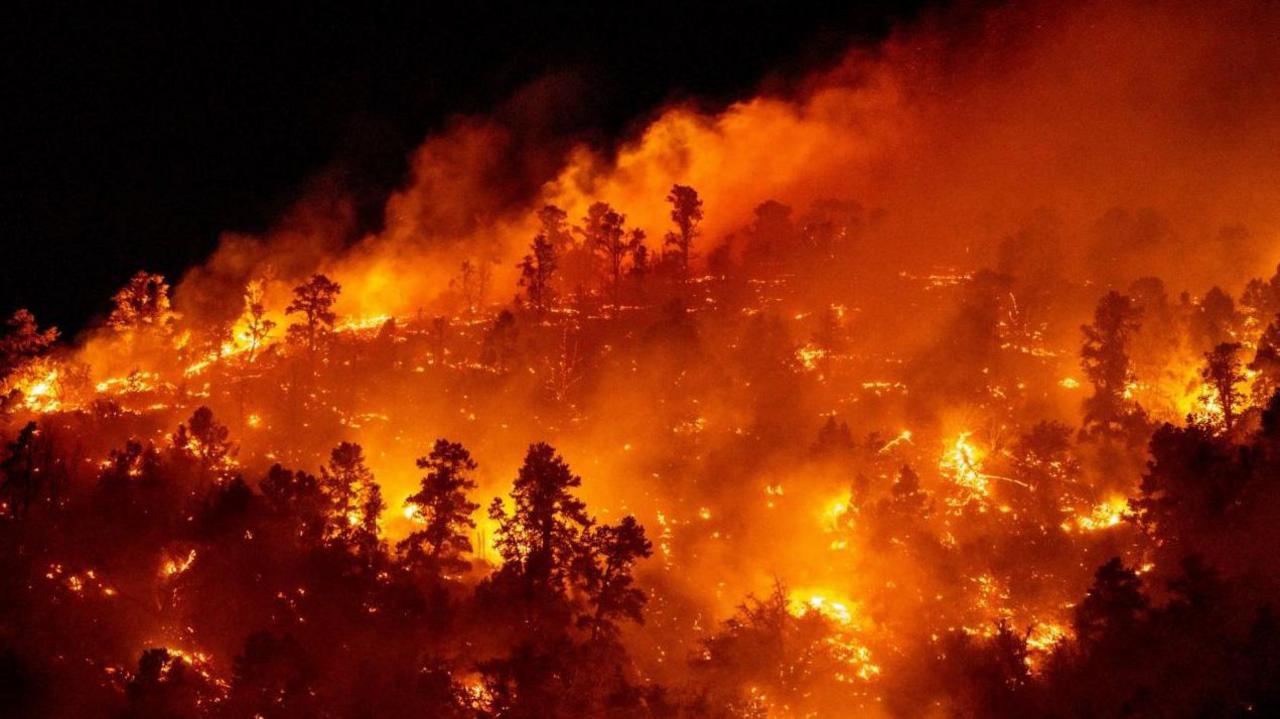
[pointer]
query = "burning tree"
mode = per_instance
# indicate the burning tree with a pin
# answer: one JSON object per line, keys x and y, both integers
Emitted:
{"x": 141, "y": 304}
{"x": 314, "y": 300}
{"x": 442, "y": 505}
{"x": 24, "y": 341}
{"x": 257, "y": 328}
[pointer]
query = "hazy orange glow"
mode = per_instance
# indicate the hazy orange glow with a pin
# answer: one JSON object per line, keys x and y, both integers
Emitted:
{"x": 751, "y": 412}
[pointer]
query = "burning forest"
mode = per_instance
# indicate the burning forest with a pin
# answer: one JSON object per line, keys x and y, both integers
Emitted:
{"x": 941, "y": 381}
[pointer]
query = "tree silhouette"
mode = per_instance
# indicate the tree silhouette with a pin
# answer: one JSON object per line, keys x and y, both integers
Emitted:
{"x": 1215, "y": 320}
{"x": 1224, "y": 373}
{"x": 166, "y": 685}
{"x": 1105, "y": 360}
{"x": 499, "y": 346}
{"x": 536, "y": 271}
{"x": 27, "y": 471}
{"x": 273, "y": 676}
{"x": 553, "y": 224}
{"x": 541, "y": 537}
{"x": 314, "y": 300}
{"x": 442, "y": 505}
{"x": 204, "y": 438}
{"x": 608, "y": 239}
{"x": 355, "y": 500}
{"x": 770, "y": 229}
{"x": 473, "y": 283}
{"x": 686, "y": 213}
{"x": 1114, "y": 602}
{"x": 1266, "y": 363}
{"x": 608, "y": 555}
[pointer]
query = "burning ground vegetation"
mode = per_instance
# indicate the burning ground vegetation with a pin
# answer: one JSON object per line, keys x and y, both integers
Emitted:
{"x": 672, "y": 436}
{"x": 621, "y": 501}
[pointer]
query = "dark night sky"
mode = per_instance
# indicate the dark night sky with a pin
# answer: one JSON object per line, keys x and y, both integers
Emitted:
{"x": 132, "y": 141}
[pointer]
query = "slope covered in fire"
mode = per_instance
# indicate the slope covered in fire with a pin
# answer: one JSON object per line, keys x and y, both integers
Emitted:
{"x": 905, "y": 393}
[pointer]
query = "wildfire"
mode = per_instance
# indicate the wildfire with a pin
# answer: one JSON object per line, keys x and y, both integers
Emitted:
{"x": 809, "y": 356}
{"x": 41, "y": 393}
{"x": 1103, "y": 516}
{"x": 174, "y": 566}
{"x": 683, "y": 392}
{"x": 844, "y": 643}
{"x": 1042, "y": 640}
{"x": 837, "y": 611}
{"x": 962, "y": 464}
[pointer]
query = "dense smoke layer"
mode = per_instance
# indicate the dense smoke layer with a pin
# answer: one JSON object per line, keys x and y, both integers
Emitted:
{"x": 1135, "y": 126}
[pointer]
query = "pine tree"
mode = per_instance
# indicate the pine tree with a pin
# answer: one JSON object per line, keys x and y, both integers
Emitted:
{"x": 314, "y": 300}
{"x": 442, "y": 505}
{"x": 542, "y": 536}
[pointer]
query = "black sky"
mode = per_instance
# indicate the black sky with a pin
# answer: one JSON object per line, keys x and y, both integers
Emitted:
{"x": 131, "y": 140}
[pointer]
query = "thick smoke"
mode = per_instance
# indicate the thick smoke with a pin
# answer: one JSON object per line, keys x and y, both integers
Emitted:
{"x": 1136, "y": 126}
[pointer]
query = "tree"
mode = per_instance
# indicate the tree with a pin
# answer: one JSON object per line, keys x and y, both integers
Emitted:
{"x": 793, "y": 657}
{"x": 313, "y": 300}
{"x": 833, "y": 438}
{"x": 1266, "y": 363}
{"x": 606, "y": 236}
{"x": 297, "y": 498}
{"x": 167, "y": 685}
{"x": 473, "y": 282}
{"x": 906, "y": 491}
{"x": 1223, "y": 372}
{"x": 273, "y": 676}
{"x": 1105, "y": 360}
{"x": 605, "y": 566}
{"x": 499, "y": 344}
{"x": 204, "y": 438}
{"x": 442, "y": 505}
{"x": 24, "y": 341}
{"x": 257, "y": 328}
{"x": 283, "y": 488}
{"x": 553, "y": 224}
{"x": 1044, "y": 461}
{"x": 1114, "y": 602}
{"x": 1262, "y": 297}
{"x": 26, "y": 471}
{"x": 355, "y": 499}
{"x": 536, "y": 271}
{"x": 1216, "y": 319}
{"x": 541, "y": 537}
{"x": 686, "y": 213}
{"x": 771, "y": 228}
{"x": 1192, "y": 483}
{"x": 368, "y": 534}
{"x": 141, "y": 304}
